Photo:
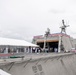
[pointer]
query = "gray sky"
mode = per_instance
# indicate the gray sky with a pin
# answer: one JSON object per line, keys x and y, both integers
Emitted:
{"x": 22, "y": 19}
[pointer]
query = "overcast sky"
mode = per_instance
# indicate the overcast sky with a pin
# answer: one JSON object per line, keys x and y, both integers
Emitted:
{"x": 23, "y": 19}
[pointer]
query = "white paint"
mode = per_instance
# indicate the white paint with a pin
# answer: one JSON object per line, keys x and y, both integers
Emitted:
{"x": 3, "y": 72}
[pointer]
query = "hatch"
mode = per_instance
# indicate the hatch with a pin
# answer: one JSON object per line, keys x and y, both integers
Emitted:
{"x": 51, "y": 45}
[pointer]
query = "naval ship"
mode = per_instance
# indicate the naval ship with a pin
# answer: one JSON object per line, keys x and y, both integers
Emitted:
{"x": 48, "y": 54}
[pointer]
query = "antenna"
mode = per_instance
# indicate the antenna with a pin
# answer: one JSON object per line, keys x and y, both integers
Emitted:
{"x": 63, "y": 28}
{"x": 63, "y": 22}
{"x": 47, "y": 32}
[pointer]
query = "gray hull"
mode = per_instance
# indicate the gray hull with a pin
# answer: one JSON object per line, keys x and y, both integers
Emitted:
{"x": 41, "y": 64}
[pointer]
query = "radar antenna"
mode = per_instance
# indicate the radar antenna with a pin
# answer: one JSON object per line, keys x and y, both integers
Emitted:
{"x": 63, "y": 28}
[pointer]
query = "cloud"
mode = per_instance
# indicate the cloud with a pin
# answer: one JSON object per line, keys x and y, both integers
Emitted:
{"x": 23, "y": 19}
{"x": 57, "y": 11}
{"x": 10, "y": 34}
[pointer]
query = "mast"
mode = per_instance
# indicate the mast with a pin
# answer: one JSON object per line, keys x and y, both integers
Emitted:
{"x": 45, "y": 37}
{"x": 63, "y": 30}
{"x": 63, "y": 27}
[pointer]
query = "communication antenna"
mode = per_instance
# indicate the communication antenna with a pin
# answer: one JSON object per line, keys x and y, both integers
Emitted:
{"x": 63, "y": 28}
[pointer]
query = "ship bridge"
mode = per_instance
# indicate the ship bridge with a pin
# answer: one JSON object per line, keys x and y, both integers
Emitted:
{"x": 60, "y": 41}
